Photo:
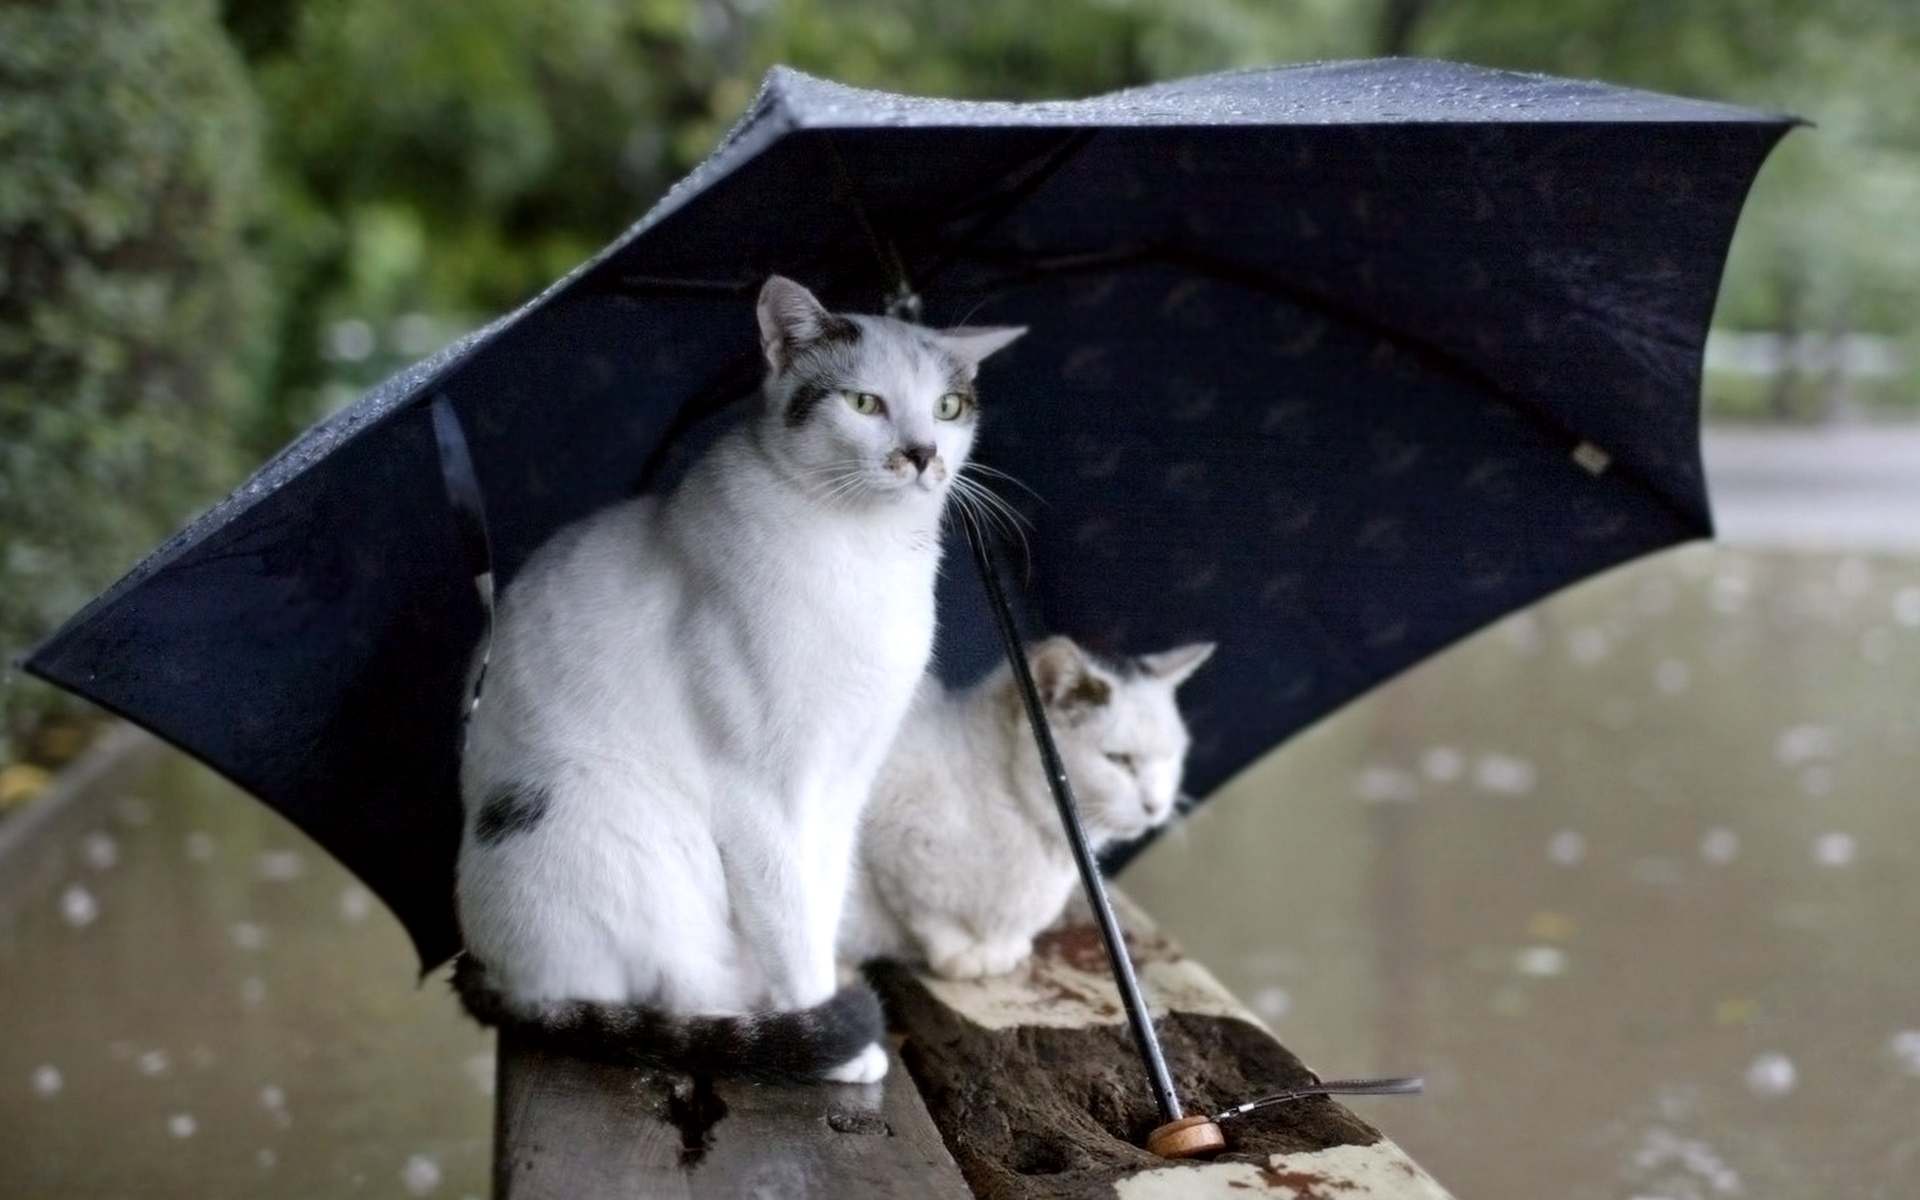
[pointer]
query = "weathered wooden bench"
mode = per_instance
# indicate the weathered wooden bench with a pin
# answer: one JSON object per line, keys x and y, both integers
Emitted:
{"x": 1016, "y": 1088}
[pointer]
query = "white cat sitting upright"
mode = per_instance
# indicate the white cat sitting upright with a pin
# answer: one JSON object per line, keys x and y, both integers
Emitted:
{"x": 961, "y": 859}
{"x": 687, "y": 702}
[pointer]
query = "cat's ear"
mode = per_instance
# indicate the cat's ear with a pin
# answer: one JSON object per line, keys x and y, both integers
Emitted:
{"x": 1175, "y": 665}
{"x": 1064, "y": 676}
{"x": 791, "y": 319}
{"x": 972, "y": 343}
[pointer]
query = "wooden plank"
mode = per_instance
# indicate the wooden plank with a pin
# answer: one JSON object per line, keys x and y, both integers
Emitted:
{"x": 1035, "y": 1082}
{"x": 566, "y": 1129}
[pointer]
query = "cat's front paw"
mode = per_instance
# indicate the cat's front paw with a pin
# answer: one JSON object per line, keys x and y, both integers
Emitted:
{"x": 979, "y": 959}
{"x": 868, "y": 1066}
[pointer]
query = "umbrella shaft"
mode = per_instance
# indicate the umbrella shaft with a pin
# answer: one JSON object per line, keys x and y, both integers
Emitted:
{"x": 1138, "y": 1016}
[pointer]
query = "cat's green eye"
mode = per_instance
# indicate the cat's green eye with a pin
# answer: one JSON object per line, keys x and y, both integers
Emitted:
{"x": 950, "y": 406}
{"x": 866, "y": 403}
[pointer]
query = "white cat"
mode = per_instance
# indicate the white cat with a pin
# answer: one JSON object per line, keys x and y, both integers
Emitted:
{"x": 687, "y": 701}
{"x": 961, "y": 858}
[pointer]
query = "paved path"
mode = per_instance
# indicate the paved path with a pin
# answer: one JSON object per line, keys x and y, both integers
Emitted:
{"x": 1845, "y": 486}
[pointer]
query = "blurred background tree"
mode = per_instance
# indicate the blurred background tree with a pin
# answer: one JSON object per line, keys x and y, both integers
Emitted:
{"x": 223, "y": 221}
{"x": 128, "y": 302}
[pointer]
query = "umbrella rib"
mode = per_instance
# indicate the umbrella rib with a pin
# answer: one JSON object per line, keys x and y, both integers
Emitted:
{"x": 1027, "y": 268}
{"x": 1042, "y": 169}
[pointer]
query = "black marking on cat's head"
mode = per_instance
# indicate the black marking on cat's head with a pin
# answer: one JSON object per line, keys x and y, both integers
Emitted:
{"x": 509, "y": 809}
{"x": 794, "y": 323}
{"x": 1066, "y": 677}
{"x": 806, "y": 399}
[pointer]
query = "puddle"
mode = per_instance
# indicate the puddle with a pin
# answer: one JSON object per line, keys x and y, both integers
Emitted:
{"x": 1719, "y": 816}
{"x": 197, "y": 1002}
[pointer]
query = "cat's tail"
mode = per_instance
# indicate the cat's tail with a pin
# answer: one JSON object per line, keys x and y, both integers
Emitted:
{"x": 800, "y": 1045}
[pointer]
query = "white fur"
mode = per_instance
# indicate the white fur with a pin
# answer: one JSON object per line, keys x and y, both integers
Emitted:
{"x": 961, "y": 859}
{"x": 706, "y": 683}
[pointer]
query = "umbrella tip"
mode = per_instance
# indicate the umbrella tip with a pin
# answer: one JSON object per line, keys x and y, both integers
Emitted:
{"x": 1189, "y": 1137}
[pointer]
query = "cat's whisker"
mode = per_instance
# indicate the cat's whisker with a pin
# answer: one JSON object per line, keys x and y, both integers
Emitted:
{"x": 827, "y": 484}
{"x": 983, "y": 469}
{"x": 986, "y": 494}
{"x": 845, "y": 485}
{"x": 992, "y": 511}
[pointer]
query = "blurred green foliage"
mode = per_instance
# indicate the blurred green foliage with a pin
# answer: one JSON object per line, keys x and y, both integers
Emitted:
{"x": 220, "y": 222}
{"x": 127, "y": 293}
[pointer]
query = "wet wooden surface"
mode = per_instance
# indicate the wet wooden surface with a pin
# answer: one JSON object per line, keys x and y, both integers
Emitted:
{"x": 574, "y": 1130}
{"x": 1035, "y": 1083}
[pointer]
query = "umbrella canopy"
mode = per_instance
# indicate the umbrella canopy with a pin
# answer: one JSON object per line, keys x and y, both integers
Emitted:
{"x": 1329, "y": 364}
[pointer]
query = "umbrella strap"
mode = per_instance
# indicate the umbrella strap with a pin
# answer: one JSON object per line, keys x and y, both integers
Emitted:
{"x": 470, "y": 523}
{"x": 1330, "y": 1087}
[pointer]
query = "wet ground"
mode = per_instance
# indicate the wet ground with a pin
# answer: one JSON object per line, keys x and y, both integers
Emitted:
{"x": 195, "y": 1002}
{"x": 1633, "y": 879}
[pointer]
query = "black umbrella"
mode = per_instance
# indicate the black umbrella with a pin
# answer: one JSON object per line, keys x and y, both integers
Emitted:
{"x": 1330, "y": 364}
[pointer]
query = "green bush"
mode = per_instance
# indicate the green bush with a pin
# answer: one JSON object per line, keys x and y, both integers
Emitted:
{"x": 128, "y": 296}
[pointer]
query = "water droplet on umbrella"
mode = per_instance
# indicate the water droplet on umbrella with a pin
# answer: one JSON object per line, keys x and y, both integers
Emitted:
{"x": 200, "y": 847}
{"x": 273, "y": 1098}
{"x": 421, "y": 1175}
{"x": 1771, "y": 1075}
{"x": 47, "y": 1081}
{"x": 78, "y": 907}
{"x": 1672, "y": 676}
{"x": 267, "y": 1159}
{"x": 133, "y": 811}
{"x": 182, "y": 1125}
{"x": 153, "y": 1062}
{"x": 249, "y": 935}
{"x": 253, "y": 991}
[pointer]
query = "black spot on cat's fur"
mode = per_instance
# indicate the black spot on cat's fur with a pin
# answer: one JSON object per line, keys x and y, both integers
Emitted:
{"x": 510, "y": 809}
{"x": 806, "y": 398}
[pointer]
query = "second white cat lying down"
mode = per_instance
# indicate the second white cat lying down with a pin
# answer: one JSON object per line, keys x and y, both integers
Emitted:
{"x": 961, "y": 858}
